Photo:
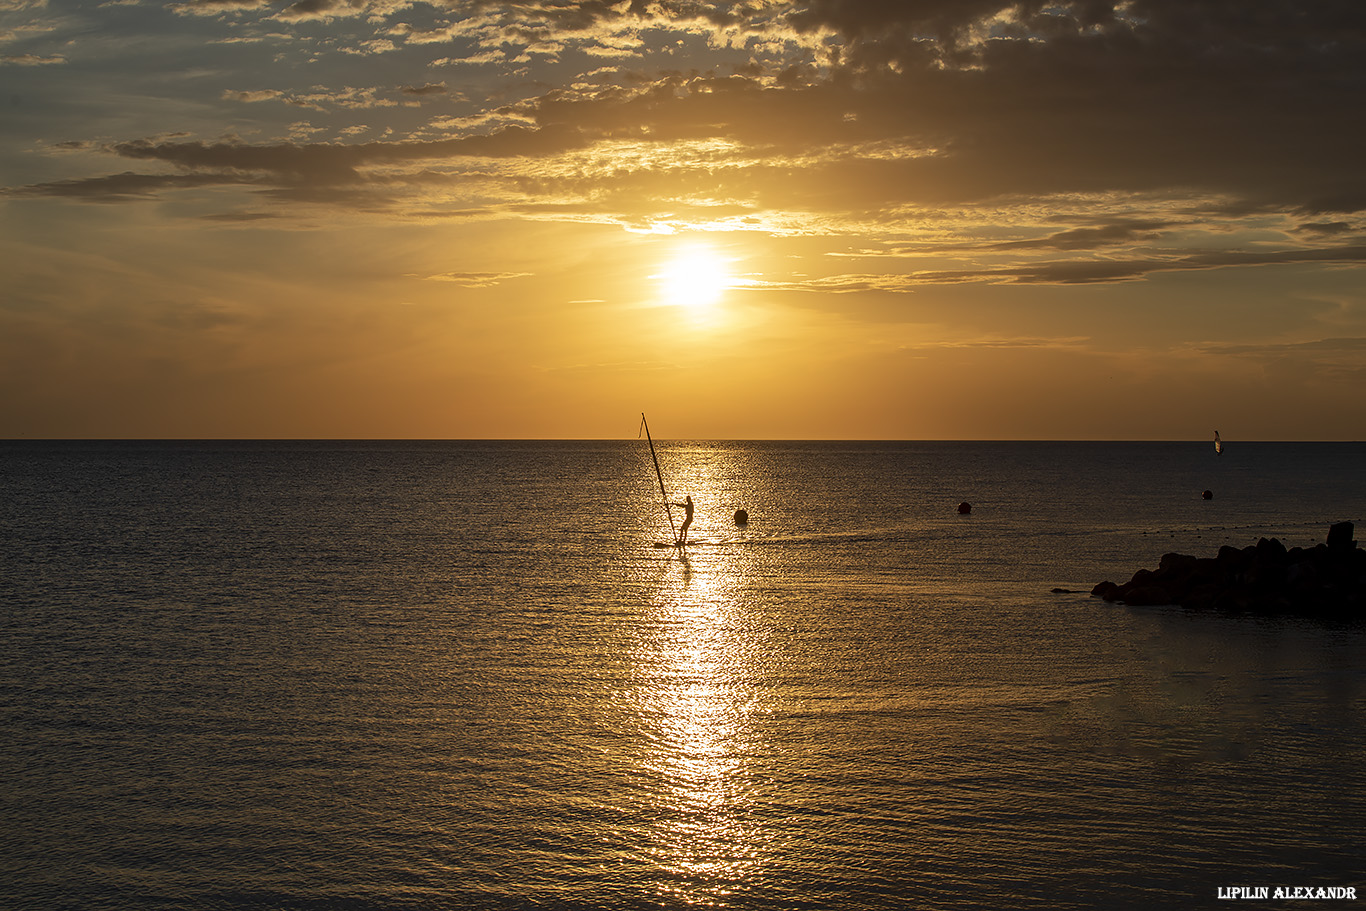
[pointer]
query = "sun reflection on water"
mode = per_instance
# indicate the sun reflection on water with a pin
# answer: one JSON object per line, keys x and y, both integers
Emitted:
{"x": 697, "y": 699}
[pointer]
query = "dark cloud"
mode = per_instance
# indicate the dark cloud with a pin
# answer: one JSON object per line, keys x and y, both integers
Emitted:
{"x": 1103, "y": 104}
{"x": 242, "y": 217}
{"x": 1347, "y": 199}
{"x": 1074, "y": 272}
{"x": 1212, "y": 35}
{"x": 124, "y": 187}
{"x": 32, "y": 60}
{"x": 1104, "y": 271}
{"x": 328, "y": 163}
{"x": 1243, "y": 98}
{"x": 1349, "y": 254}
{"x": 865, "y": 22}
{"x": 1351, "y": 346}
{"x": 1091, "y": 238}
{"x": 1053, "y": 273}
{"x": 1327, "y": 229}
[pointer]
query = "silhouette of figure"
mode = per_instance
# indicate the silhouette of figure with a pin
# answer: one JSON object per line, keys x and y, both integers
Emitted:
{"x": 687, "y": 519}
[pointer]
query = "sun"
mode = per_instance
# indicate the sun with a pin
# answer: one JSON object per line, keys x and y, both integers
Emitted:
{"x": 696, "y": 278}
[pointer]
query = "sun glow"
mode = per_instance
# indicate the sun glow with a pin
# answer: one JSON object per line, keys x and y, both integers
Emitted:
{"x": 695, "y": 279}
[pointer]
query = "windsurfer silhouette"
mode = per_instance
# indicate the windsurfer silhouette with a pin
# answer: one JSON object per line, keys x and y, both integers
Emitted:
{"x": 687, "y": 519}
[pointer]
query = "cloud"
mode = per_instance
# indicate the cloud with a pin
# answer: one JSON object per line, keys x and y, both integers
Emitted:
{"x": 852, "y": 116}
{"x": 325, "y": 161}
{"x": 32, "y": 60}
{"x": 316, "y": 9}
{"x": 835, "y": 284}
{"x": 348, "y": 98}
{"x": 217, "y": 7}
{"x": 1068, "y": 102}
{"x": 251, "y": 97}
{"x": 1102, "y": 271}
{"x": 1092, "y": 238}
{"x": 374, "y": 46}
{"x": 1329, "y": 228}
{"x": 326, "y": 10}
{"x": 1345, "y": 199}
{"x": 1075, "y": 342}
{"x": 123, "y": 187}
{"x": 1331, "y": 346}
{"x": 1066, "y": 272}
{"x": 473, "y": 279}
{"x": 431, "y": 88}
{"x": 241, "y": 217}
{"x": 1340, "y": 360}
{"x": 372, "y": 176}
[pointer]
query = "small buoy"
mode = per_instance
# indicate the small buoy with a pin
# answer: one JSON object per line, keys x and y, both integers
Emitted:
{"x": 1207, "y": 495}
{"x": 741, "y": 517}
{"x": 964, "y": 508}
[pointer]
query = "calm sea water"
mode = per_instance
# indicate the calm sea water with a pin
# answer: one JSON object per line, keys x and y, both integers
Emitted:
{"x": 458, "y": 675}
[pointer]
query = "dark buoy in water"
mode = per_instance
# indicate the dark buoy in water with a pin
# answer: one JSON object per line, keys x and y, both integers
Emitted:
{"x": 1207, "y": 495}
{"x": 964, "y": 508}
{"x": 741, "y": 517}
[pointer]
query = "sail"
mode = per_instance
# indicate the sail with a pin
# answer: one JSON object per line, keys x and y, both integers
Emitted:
{"x": 1218, "y": 444}
{"x": 645, "y": 425}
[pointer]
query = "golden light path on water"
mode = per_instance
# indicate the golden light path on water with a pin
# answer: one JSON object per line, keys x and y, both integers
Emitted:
{"x": 699, "y": 694}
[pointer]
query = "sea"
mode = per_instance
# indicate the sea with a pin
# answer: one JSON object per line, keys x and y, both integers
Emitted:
{"x": 402, "y": 675}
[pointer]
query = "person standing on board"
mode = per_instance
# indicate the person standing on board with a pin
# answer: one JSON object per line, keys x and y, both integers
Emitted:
{"x": 687, "y": 519}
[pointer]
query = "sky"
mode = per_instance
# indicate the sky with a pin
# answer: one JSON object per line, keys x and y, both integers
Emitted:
{"x": 885, "y": 219}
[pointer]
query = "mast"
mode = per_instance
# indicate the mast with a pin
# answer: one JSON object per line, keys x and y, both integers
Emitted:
{"x": 659, "y": 474}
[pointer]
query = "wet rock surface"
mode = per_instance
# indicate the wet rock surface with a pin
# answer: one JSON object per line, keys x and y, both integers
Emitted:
{"x": 1326, "y": 581}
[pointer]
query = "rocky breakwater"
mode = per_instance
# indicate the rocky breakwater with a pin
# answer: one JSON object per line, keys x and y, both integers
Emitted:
{"x": 1327, "y": 580}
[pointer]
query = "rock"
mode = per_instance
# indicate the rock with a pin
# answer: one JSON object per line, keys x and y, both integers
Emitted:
{"x": 1176, "y": 563}
{"x": 1328, "y": 580}
{"x": 1229, "y": 557}
{"x": 1273, "y": 550}
{"x": 1148, "y": 596}
{"x": 1142, "y": 578}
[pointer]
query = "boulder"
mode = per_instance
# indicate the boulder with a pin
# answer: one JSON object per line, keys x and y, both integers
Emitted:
{"x": 1340, "y": 537}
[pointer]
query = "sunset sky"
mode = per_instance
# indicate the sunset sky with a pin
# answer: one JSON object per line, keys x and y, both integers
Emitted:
{"x": 932, "y": 219}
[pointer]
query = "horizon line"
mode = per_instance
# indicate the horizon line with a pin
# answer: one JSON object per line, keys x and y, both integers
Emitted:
{"x": 324, "y": 439}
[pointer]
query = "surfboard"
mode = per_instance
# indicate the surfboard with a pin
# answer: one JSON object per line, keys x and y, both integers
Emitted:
{"x": 699, "y": 542}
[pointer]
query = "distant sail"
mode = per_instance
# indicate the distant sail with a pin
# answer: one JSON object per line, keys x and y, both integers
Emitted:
{"x": 1218, "y": 444}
